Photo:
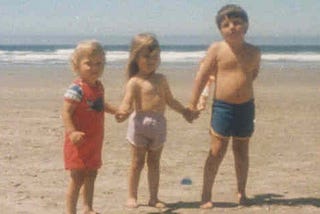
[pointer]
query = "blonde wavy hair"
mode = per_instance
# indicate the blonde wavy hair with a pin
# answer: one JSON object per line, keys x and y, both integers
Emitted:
{"x": 86, "y": 48}
{"x": 139, "y": 43}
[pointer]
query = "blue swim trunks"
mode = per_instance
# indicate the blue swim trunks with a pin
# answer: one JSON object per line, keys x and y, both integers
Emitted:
{"x": 233, "y": 119}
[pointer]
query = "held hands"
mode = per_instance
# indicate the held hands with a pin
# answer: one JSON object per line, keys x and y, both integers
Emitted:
{"x": 190, "y": 114}
{"x": 77, "y": 137}
{"x": 121, "y": 116}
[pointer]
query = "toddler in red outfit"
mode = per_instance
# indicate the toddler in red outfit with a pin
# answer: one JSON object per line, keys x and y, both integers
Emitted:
{"x": 83, "y": 118}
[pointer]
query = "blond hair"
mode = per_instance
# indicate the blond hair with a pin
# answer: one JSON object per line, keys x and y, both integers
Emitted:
{"x": 86, "y": 48}
{"x": 139, "y": 43}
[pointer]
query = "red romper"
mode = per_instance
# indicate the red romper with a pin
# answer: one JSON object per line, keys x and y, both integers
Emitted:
{"x": 88, "y": 117}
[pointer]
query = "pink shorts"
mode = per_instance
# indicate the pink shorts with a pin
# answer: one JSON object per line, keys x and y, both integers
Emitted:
{"x": 147, "y": 129}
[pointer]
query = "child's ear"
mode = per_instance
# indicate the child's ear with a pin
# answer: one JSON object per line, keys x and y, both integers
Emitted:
{"x": 75, "y": 65}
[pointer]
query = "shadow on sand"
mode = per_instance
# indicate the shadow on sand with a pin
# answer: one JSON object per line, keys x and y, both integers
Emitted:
{"x": 276, "y": 199}
{"x": 172, "y": 207}
{"x": 257, "y": 200}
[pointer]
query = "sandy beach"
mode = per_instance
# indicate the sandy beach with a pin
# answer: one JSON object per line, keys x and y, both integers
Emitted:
{"x": 284, "y": 174}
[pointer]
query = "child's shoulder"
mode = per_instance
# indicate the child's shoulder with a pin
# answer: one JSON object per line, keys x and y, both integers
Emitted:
{"x": 132, "y": 81}
{"x": 136, "y": 79}
{"x": 253, "y": 51}
{"x": 76, "y": 85}
{"x": 160, "y": 78}
{"x": 74, "y": 92}
{"x": 252, "y": 47}
{"x": 215, "y": 46}
{"x": 214, "y": 49}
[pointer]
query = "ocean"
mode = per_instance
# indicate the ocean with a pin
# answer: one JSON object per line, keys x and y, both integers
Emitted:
{"x": 170, "y": 54}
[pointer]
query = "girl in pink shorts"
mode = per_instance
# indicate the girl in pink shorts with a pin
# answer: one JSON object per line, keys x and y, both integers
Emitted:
{"x": 147, "y": 129}
{"x": 146, "y": 97}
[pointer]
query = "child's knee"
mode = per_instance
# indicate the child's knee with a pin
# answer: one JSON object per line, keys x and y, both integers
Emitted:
{"x": 153, "y": 160}
{"x": 77, "y": 176}
{"x": 216, "y": 153}
{"x": 240, "y": 147}
{"x": 240, "y": 156}
{"x": 138, "y": 164}
{"x": 153, "y": 163}
{"x": 92, "y": 173}
{"x": 218, "y": 147}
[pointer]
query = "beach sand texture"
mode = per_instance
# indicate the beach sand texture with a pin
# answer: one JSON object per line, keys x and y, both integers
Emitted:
{"x": 284, "y": 175}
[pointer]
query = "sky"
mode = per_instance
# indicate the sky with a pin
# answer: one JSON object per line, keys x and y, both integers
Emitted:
{"x": 23, "y": 19}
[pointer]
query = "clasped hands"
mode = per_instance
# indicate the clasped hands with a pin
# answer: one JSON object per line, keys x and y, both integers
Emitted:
{"x": 190, "y": 114}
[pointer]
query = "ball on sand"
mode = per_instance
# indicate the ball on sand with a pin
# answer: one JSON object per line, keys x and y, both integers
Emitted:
{"x": 186, "y": 181}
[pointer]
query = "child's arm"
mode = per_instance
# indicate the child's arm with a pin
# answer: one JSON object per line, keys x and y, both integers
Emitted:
{"x": 175, "y": 104}
{"x": 67, "y": 111}
{"x": 110, "y": 108}
{"x": 207, "y": 68}
{"x": 205, "y": 94}
{"x": 170, "y": 100}
{"x": 125, "y": 107}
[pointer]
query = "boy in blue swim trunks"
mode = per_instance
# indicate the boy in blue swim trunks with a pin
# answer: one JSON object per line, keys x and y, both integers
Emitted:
{"x": 234, "y": 63}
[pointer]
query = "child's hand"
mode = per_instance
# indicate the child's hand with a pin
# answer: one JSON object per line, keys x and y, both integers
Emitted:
{"x": 189, "y": 115}
{"x": 121, "y": 116}
{"x": 76, "y": 137}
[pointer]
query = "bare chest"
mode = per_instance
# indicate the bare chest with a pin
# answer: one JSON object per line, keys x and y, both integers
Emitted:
{"x": 231, "y": 62}
{"x": 150, "y": 88}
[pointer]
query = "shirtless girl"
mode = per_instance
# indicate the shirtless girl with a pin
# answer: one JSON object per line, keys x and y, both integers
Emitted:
{"x": 146, "y": 97}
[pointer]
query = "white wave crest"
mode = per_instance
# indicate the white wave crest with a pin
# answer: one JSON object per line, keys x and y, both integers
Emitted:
{"x": 61, "y": 56}
{"x": 301, "y": 57}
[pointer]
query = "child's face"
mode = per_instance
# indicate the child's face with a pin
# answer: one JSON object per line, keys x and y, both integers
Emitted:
{"x": 90, "y": 68}
{"x": 233, "y": 29}
{"x": 148, "y": 61}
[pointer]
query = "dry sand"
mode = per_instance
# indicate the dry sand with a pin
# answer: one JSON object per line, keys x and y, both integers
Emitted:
{"x": 284, "y": 175}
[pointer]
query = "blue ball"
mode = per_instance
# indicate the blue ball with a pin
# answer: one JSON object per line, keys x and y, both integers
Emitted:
{"x": 186, "y": 181}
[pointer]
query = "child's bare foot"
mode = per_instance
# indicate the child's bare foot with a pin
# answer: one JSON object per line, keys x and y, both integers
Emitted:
{"x": 242, "y": 199}
{"x": 157, "y": 204}
{"x": 131, "y": 203}
{"x": 206, "y": 205}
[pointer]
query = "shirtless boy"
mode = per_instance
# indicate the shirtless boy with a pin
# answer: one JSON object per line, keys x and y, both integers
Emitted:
{"x": 234, "y": 63}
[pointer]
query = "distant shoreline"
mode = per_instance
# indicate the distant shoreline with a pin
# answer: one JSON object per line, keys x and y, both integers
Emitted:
{"x": 175, "y": 55}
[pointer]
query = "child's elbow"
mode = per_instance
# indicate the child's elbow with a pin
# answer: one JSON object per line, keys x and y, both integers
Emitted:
{"x": 111, "y": 111}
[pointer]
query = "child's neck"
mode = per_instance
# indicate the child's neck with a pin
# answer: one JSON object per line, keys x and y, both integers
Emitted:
{"x": 145, "y": 76}
{"x": 91, "y": 83}
{"x": 236, "y": 46}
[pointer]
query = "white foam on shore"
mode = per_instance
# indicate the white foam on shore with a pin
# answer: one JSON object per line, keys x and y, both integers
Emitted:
{"x": 300, "y": 57}
{"x": 61, "y": 56}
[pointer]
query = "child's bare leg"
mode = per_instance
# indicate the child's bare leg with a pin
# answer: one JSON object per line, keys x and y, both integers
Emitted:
{"x": 217, "y": 152}
{"x": 153, "y": 162}
{"x": 138, "y": 155}
{"x": 76, "y": 181}
{"x": 88, "y": 190}
{"x": 241, "y": 159}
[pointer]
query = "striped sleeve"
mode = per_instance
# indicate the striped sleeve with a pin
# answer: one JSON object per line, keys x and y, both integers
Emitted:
{"x": 74, "y": 93}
